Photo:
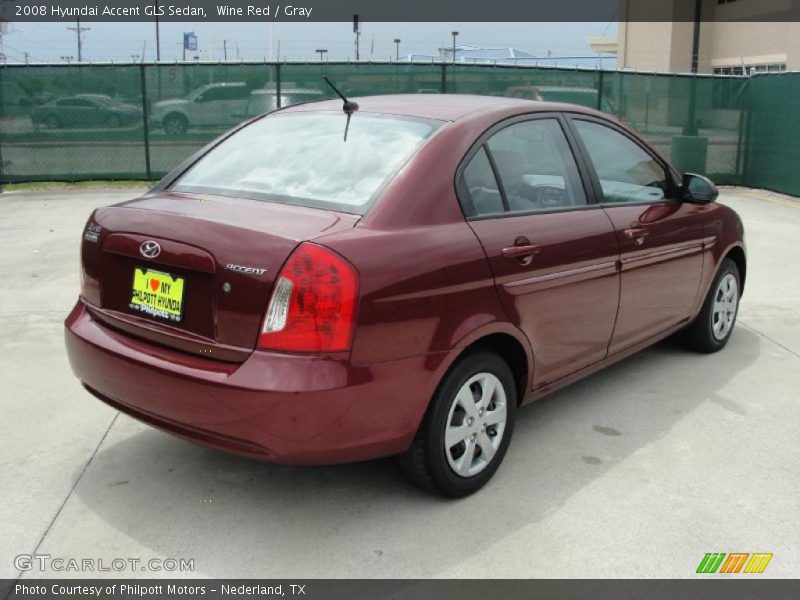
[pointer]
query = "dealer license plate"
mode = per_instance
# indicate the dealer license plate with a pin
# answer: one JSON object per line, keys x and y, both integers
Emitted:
{"x": 157, "y": 294}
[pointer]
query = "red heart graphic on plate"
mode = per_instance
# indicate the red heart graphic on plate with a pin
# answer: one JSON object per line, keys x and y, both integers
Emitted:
{"x": 154, "y": 284}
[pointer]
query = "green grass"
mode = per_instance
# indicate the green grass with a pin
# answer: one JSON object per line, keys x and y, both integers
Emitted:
{"x": 43, "y": 186}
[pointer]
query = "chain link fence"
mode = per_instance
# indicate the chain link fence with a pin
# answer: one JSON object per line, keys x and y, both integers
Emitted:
{"x": 137, "y": 121}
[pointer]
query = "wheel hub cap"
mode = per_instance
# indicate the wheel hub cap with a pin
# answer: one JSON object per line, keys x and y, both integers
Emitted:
{"x": 475, "y": 424}
{"x": 723, "y": 312}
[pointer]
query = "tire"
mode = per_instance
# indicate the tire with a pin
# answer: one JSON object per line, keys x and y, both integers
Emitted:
{"x": 712, "y": 329}
{"x": 175, "y": 124}
{"x": 449, "y": 471}
{"x": 113, "y": 121}
{"x": 52, "y": 122}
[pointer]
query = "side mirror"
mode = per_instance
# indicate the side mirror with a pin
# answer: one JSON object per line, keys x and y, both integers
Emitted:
{"x": 698, "y": 189}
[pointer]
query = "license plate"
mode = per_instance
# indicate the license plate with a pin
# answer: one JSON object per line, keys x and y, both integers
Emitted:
{"x": 157, "y": 294}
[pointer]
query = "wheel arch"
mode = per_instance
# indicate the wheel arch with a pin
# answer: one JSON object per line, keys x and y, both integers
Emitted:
{"x": 176, "y": 114}
{"x": 737, "y": 255}
{"x": 506, "y": 341}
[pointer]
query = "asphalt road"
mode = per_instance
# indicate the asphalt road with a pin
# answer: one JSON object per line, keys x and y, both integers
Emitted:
{"x": 637, "y": 471}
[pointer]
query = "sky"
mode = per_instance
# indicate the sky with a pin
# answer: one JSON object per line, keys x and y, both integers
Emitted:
{"x": 49, "y": 42}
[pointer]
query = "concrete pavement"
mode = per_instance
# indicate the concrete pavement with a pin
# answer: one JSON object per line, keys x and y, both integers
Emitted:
{"x": 637, "y": 471}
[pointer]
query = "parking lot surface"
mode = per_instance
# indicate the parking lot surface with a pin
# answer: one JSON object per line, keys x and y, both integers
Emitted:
{"x": 636, "y": 471}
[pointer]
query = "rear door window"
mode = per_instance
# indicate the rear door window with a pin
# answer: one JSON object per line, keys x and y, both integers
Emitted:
{"x": 536, "y": 167}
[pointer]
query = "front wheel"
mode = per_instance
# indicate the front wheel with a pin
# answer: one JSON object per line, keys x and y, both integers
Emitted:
{"x": 713, "y": 326}
{"x": 466, "y": 431}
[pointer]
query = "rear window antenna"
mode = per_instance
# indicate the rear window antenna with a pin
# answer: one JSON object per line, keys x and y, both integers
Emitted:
{"x": 348, "y": 106}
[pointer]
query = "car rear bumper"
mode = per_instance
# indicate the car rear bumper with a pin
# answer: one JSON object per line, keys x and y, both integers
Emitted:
{"x": 277, "y": 407}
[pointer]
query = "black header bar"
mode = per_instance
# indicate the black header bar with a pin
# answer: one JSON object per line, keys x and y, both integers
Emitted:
{"x": 397, "y": 10}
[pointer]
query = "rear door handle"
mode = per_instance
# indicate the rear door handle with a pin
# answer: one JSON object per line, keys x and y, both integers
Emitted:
{"x": 521, "y": 251}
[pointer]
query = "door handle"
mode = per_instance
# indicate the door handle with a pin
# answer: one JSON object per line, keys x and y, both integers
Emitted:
{"x": 521, "y": 251}
{"x": 637, "y": 234}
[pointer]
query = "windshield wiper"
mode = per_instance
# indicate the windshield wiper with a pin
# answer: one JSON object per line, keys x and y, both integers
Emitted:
{"x": 348, "y": 106}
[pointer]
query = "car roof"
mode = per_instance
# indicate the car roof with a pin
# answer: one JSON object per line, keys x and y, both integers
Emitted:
{"x": 444, "y": 107}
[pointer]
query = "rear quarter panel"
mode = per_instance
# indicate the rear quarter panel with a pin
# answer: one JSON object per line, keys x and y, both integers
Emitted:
{"x": 423, "y": 290}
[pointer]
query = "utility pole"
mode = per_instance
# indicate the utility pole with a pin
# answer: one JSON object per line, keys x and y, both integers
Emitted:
{"x": 158, "y": 37}
{"x": 397, "y": 47}
{"x": 321, "y": 51}
{"x": 79, "y": 30}
{"x": 357, "y": 32}
{"x": 690, "y": 129}
{"x": 455, "y": 35}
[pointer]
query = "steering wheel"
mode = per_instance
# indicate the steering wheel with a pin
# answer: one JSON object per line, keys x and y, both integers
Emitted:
{"x": 548, "y": 196}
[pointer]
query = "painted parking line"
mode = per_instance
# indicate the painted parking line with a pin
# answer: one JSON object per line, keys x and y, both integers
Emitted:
{"x": 780, "y": 201}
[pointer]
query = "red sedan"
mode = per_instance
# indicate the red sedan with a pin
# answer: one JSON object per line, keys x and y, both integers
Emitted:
{"x": 319, "y": 287}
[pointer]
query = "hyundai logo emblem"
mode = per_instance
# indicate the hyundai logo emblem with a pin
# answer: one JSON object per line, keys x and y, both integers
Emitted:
{"x": 150, "y": 249}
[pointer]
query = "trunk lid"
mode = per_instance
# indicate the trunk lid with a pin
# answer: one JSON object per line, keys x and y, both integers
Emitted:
{"x": 226, "y": 251}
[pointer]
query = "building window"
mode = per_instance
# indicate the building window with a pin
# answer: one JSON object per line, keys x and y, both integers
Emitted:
{"x": 726, "y": 93}
{"x": 750, "y": 69}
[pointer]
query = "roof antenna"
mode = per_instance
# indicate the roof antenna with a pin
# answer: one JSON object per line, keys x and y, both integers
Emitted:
{"x": 348, "y": 107}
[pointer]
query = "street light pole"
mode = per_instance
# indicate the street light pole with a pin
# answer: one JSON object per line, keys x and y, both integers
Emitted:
{"x": 455, "y": 35}
{"x": 321, "y": 51}
{"x": 397, "y": 46}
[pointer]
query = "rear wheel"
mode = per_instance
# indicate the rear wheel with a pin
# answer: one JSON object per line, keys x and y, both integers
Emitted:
{"x": 713, "y": 326}
{"x": 466, "y": 431}
{"x": 113, "y": 121}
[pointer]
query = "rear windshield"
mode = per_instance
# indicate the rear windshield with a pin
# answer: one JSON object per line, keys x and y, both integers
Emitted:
{"x": 302, "y": 158}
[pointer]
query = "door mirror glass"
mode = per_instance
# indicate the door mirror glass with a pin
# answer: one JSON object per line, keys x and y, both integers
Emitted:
{"x": 698, "y": 189}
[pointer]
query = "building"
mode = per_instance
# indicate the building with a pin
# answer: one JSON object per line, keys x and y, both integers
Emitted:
{"x": 484, "y": 55}
{"x": 735, "y": 37}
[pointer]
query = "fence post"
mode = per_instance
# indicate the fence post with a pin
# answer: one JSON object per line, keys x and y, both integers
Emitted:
{"x": 2, "y": 114}
{"x": 748, "y": 134}
{"x": 444, "y": 78}
{"x": 744, "y": 120}
{"x": 600, "y": 90}
{"x": 277, "y": 85}
{"x": 145, "y": 122}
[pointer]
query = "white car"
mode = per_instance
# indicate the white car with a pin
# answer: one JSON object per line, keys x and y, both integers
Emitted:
{"x": 266, "y": 99}
{"x": 212, "y": 105}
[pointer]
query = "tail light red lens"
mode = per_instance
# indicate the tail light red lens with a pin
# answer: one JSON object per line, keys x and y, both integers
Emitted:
{"x": 313, "y": 303}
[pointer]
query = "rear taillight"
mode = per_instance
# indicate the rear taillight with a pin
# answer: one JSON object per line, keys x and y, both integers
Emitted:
{"x": 313, "y": 304}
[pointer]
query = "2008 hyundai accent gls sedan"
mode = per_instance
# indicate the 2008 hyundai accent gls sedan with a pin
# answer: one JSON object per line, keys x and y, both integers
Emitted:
{"x": 298, "y": 297}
